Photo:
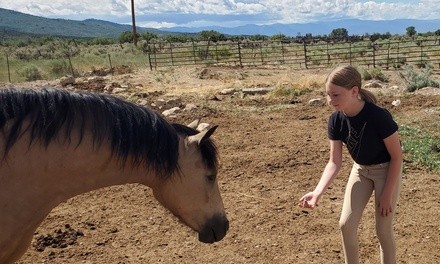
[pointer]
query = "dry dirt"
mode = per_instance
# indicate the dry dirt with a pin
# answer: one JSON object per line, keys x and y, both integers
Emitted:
{"x": 272, "y": 151}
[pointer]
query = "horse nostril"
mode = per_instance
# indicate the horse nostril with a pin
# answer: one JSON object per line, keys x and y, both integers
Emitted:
{"x": 214, "y": 229}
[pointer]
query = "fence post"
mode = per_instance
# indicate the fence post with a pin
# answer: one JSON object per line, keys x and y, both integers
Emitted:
{"x": 171, "y": 54}
{"x": 155, "y": 56}
{"x": 374, "y": 54}
{"x": 194, "y": 52}
{"x": 110, "y": 61}
{"x": 421, "y": 53}
{"x": 261, "y": 52}
{"x": 328, "y": 55}
{"x": 282, "y": 51}
{"x": 71, "y": 67}
{"x": 239, "y": 53}
{"x": 305, "y": 54}
{"x": 388, "y": 56}
{"x": 349, "y": 44}
{"x": 9, "y": 71}
{"x": 149, "y": 54}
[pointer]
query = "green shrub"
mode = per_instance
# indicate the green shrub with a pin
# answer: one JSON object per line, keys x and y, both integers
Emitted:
{"x": 417, "y": 80}
{"x": 286, "y": 91}
{"x": 374, "y": 73}
{"x": 421, "y": 147}
{"x": 30, "y": 73}
{"x": 59, "y": 67}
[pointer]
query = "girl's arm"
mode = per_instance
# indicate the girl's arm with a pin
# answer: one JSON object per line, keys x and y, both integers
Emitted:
{"x": 394, "y": 148}
{"x": 331, "y": 170}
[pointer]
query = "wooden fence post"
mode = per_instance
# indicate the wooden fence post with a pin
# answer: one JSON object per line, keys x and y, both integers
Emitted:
{"x": 9, "y": 71}
{"x": 261, "y": 53}
{"x": 71, "y": 67}
{"x": 110, "y": 61}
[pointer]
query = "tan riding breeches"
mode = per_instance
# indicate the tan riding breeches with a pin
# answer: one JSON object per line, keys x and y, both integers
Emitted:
{"x": 363, "y": 180}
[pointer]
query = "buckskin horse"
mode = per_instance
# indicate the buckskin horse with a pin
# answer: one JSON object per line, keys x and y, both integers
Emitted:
{"x": 56, "y": 144}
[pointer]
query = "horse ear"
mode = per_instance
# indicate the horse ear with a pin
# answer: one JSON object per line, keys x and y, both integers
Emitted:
{"x": 200, "y": 137}
{"x": 194, "y": 124}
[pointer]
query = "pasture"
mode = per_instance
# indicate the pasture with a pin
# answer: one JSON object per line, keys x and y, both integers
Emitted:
{"x": 272, "y": 150}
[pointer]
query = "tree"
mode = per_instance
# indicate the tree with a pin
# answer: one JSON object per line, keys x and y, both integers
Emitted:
{"x": 212, "y": 35}
{"x": 278, "y": 37}
{"x": 339, "y": 34}
{"x": 126, "y": 36}
{"x": 411, "y": 31}
{"x": 149, "y": 36}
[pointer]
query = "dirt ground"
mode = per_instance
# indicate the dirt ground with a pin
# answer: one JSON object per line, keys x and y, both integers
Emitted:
{"x": 272, "y": 150}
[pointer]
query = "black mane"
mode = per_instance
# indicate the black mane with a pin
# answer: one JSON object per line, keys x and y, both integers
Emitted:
{"x": 131, "y": 130}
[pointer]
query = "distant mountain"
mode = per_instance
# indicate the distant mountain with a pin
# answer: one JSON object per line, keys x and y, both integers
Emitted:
{"x": 353, "y": 26}
{"x": 14, "y": 23}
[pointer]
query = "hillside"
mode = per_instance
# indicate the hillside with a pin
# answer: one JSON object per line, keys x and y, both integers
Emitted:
{"x": 16, "y": 23}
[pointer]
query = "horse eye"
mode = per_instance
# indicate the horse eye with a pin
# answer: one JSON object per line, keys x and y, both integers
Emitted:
{"x": 211, "y": 177}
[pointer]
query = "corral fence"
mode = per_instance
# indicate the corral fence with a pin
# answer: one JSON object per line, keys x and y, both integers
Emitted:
{"x": 306, "y": 55}
{"x": 58, "y": 58}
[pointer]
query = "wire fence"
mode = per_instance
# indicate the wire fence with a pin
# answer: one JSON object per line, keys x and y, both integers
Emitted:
{"x": 389, "y": 54}
{"x": 55, "y": 60}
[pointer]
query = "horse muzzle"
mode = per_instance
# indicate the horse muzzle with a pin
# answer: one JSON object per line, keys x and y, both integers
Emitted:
{"x": 214, "y": 229}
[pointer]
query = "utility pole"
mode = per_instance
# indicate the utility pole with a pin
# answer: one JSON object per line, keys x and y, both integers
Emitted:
{"x": 133, "y": 19}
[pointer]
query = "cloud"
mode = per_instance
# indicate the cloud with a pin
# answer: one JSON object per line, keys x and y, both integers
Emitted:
{"x": 165, "y": 13}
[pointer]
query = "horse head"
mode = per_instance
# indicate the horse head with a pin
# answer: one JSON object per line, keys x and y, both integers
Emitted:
{"x": 193, "y": 195}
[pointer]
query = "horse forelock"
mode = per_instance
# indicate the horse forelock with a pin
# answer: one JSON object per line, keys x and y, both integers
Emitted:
{"x": 132, "y": 131}
{"x": 208, "y": 149}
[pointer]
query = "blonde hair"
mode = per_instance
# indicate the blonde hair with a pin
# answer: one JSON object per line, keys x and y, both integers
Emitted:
{"x": 348, "y": 77}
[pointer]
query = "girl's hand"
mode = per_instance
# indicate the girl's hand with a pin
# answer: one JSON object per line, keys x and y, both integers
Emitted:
{"x": 385, "y": 206}
{"x": 310, "y": 200}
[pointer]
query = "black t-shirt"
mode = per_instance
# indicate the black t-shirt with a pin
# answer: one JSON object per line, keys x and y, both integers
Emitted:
{"x": 364, "y": 133}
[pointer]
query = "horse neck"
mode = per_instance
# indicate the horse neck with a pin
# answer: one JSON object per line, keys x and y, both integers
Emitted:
{"x": 35, "y": 180}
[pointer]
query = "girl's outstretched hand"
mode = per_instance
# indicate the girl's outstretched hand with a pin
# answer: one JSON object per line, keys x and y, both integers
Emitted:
{"x": 310, "y": 200}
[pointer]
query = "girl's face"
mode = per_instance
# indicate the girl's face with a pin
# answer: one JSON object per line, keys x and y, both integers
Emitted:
{"x": 339, "y": 97}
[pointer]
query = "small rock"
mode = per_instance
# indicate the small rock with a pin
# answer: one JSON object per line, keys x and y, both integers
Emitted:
{"x": 171, "y": 111}
{"x": 315, "y": 102}
{"x": 68, "y": 80}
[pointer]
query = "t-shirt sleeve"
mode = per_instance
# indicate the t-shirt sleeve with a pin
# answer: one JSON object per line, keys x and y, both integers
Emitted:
{"x": 334, "y": 127}
{"x": 386, "y": 126}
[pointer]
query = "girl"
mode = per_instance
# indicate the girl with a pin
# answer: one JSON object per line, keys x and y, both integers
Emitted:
{"x": 370, "y": 134}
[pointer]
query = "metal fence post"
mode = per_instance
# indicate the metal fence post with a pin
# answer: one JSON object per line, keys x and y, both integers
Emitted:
{"x": 171, "y": 54}
{"x": 239, "y": 53}
{"x": 305, "y": 54}
{"x": 194, "y": 52}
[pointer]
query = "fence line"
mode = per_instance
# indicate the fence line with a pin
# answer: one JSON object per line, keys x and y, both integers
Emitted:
{"x": 391, "y": 54}
{"x": 300, "y": 55}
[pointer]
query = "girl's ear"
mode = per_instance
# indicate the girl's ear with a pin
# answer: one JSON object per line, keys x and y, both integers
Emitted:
{"x": 355, "y": 90}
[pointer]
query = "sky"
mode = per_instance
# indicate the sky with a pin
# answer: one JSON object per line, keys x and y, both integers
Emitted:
{"x": 226, "y": 13}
